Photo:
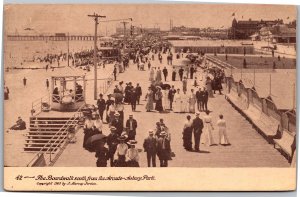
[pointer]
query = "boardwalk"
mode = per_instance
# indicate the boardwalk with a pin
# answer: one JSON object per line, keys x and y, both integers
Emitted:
{"x": 248, "y": 149}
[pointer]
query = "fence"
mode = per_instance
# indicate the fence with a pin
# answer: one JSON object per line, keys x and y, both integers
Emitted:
{"x": 219, "y": 63}
{"x": 51, "y": 151}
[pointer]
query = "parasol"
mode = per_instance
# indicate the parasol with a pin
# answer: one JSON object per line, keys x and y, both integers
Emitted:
{"x": 91, "y": 142}
{"x": 118, "y": 97}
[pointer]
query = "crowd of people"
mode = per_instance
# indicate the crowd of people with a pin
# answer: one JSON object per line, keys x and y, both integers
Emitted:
{"x": 119, "y": 146}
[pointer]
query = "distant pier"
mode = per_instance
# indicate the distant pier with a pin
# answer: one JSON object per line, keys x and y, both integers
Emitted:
{"x": 50, "y": 38}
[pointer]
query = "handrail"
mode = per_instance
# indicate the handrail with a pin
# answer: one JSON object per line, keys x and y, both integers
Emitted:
{"x": 37, "y": 104}
{"x": 57, "y": 135}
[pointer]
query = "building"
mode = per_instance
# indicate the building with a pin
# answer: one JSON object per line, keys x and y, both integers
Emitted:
{"x": 243, "y": 29}
{"x": 278, "y": 34}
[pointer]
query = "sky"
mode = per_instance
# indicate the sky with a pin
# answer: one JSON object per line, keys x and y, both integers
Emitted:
{"x": 73, "y": 18}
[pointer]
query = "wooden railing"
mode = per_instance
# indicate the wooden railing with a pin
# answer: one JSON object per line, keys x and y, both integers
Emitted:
{"x": 37, "y": 105}
{"x": 51, "y": 151}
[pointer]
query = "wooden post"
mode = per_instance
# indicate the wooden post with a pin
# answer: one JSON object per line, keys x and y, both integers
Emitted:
{"x": 270, "y": 84}
{"x": 254, "y": 78}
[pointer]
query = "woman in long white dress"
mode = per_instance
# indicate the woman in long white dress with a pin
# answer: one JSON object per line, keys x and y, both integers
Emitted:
{"x": 192, "y": 101}
{"x": 166, "y": 101}
{"x": 158, "y": 76}
{"x": 185, "y": 103}
{"x": 151, "y": 77}
{"x": 207, "y": 133}
{"x": 221, "y": 123}
{"x": 177, "y": 103}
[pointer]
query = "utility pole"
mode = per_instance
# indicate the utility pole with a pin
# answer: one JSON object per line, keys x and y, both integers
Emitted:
{"x": 124, "y": 24}
{"x": 96, "y": 17}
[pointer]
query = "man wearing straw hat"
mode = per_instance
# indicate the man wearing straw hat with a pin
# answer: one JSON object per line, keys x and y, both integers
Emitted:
{"x": 150, "y": 146}
{"x": 197, "y": 126}
{"x": 131, "y": 124}
{"x": 117, "y": 123}
{"x": 112, "y": 142}
{"x": 163, "y": 149}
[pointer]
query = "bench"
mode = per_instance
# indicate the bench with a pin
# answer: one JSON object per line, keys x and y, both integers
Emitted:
{"x": 285, "y": 143}
{"x": 253, "y": 113}
{"x": 267, "y": 125}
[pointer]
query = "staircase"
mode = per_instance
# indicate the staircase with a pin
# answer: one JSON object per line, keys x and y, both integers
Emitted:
{"x": 48, "y": 134}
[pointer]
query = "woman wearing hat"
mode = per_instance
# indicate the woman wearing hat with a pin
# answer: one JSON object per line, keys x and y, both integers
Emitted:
{"x": 87, "y": 129}
{"x": 158, "y": 99}
{"x": 208, "y": 127}
{"x": 149, "y": 98}
{"x": 177, "y": 106}
{"x": 121, "y": 151}
{"x": 132, "y": 155}
{"x": 111, "y": 111}
{"x": 151, "y": 77}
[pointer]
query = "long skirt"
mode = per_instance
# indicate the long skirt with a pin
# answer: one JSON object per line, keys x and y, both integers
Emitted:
{"x": 173, "y": 76}
{"x": 192, "y": 105}
{"x": 151, "y": 78}
{"x": 132, "y": 163}
{"x": 187, "y": 138}
{"x": 207, "y": 137}
{"x": 158, "y": 105}
{"x": 149, "y": 105}
{"x": 177, "y": 106}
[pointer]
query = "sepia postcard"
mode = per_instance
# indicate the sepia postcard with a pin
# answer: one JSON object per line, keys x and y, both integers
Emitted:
{"x": 149, "y": 97}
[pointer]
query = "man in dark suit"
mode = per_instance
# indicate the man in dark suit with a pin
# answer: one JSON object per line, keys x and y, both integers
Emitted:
{"x": 200, "y": 97}
{"x": 171, "y": 95}
{"x": 197, "y": 126}
{"x": 117, "y": 123}
{"x": 131, "y": 124}
{"x": 133, "y": 99}
{"x": 180, "y": 72}
{"x": 101, "y": 105}
{"x": 112, "y": 142}
{"x": 165, "y": 72}
{"x": 150, "y": 144}
{"x": 205, "y": 99}
{"x": 138, "y": 91}
{"x": 163, "y": 149}
{"x": 192, "y": 70}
